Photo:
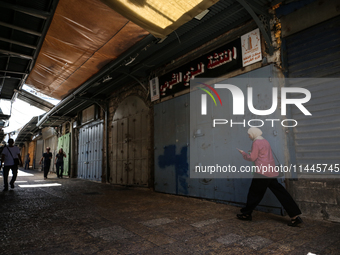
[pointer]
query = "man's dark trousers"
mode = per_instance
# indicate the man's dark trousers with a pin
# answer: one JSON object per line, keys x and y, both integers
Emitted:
{"x": 6, "y": 172}
{"x": 46, "y": 169}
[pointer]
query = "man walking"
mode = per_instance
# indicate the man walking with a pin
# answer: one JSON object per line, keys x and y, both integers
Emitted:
{"x": 27, "y": 161}
{"x": 47, "y": 156}
{"x": 11, "y": 158}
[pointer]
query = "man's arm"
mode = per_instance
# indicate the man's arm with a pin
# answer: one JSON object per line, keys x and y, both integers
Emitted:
{"x": 19, "y": 157}
{"x": 41, "y": 160}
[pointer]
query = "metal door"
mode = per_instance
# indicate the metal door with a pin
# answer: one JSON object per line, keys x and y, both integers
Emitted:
{"x": 314, "y": 52}
{"x": 171, "y": 120}
{"x": 64, "y": 143}
{"x": 175, "y": 143}
{"x": 130, "y": 143}
{"x": 52, "y": 142}
{"x": 90, "y": 154}
{"x": 38, "y": 152}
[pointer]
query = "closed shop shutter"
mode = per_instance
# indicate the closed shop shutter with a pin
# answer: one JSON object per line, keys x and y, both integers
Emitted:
{"x": 315, "y": 52}
{"x": 180, "y": 147}
{"x": 90, "y": 156}
{"x": 52, "y": 143}
{"x": 130, "y": 143}
{"x": 64, "y": 142}
{"x": 38, "y": 152}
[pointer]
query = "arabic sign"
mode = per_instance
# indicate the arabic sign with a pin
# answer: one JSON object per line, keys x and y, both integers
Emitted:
{"x": 251, "y": 47}
{"x": 213, "y": 64}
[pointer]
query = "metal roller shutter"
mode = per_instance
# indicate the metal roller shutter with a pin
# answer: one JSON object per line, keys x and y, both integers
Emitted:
{"x": 315, "y": 52}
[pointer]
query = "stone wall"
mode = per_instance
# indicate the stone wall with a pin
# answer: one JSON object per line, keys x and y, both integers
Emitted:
{"x": 317, "y": 198}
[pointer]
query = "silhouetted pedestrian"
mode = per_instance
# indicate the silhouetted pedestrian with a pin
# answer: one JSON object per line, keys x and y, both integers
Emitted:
{"x": 11, "y": 157}
{"x": 59, "y": 163}
{"x": 27, "y": 161}
{"x": 47, "y": 156}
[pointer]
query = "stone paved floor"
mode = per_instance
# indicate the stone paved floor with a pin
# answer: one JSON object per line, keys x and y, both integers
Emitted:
{"x": 84, "y": 217}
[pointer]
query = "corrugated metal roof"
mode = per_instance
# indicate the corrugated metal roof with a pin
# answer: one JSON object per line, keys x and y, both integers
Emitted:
{"x": 27, "y": 131}
{"x": 223, "y": 16}
{"x": 23, "y": 25}
{"x": 35, "y": 101}
{"x": 84, "y": 36}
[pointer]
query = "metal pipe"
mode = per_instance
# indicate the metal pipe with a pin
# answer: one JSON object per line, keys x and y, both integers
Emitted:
{"x": 18, "y": 43}
{"x": 107, "y": 143}
{"x": 7, "y": 71}
{"x": 15, "y": 54}
{"x": 29, "y": 11}
{"x": 25, "y": 30}
{"x": 144, "y": 42}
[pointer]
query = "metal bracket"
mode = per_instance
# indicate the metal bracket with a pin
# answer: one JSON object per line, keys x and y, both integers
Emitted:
{"x": 100, "y": 103}
{"x": 262, "y": 21}
{"x": 133, "y": 77}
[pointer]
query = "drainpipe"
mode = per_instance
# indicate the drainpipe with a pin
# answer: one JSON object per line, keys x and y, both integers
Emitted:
{"x": 135, "y": 49}
{"x": 107, "y": 142}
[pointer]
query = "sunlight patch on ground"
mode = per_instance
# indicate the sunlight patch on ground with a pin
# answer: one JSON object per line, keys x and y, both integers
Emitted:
{"x": 39, "y": 185}
{"x": 20, "y": 173}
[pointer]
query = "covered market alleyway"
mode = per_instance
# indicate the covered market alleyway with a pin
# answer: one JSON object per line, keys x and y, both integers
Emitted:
{"x": 73, "y": 216}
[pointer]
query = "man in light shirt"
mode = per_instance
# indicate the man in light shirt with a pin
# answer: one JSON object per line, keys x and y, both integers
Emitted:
{"x": 9, "y": 153}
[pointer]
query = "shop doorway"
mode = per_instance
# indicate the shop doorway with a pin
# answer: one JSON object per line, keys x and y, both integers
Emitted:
{"x": 130, "y": 143}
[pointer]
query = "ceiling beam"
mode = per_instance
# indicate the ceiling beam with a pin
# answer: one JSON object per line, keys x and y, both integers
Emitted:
{"x": 15, "y": 54}
{"x": 266, "y": 34}
{"x": 34, "y": 100}
{"x": 258, "y": 8}
{"x": 18, "y": 43}
{"x": 28, "y": 11}
{"x": 25, "y": 30}
{"x": 47, "y": 23}
{"x": 8, "y": 71}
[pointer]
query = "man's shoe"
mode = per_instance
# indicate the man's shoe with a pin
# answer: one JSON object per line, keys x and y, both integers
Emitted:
{"x": 12, "y": 186}
{"x": 295, "y": 222}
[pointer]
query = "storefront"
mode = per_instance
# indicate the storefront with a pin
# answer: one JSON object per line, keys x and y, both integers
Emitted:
{"x": 310, "y": 56}
{"x": 311, "y": 53}
{"x": 90, "y": 145}
{"x": 184, "y": 138}
{"x": 64, "y": 142}
{"x": 50, "y": 140}
{"x": 130, "y": 143}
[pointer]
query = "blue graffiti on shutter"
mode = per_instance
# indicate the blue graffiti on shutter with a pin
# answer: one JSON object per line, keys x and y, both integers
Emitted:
{"x": 180, "y": 161}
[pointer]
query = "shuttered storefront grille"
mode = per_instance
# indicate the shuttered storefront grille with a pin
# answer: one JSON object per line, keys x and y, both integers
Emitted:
{"x": 315, "y": 52}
